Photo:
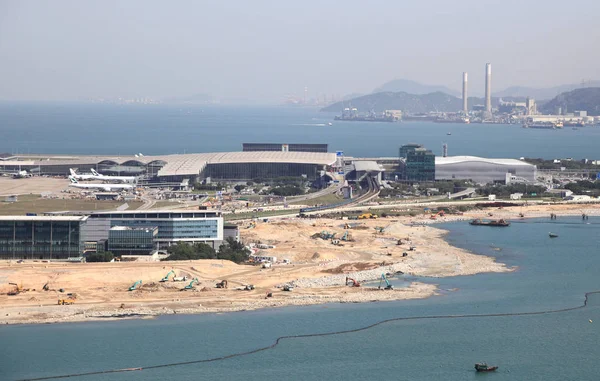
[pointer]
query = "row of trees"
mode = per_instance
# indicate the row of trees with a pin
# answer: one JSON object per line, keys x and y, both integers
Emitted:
{"x": 230, "y": 250}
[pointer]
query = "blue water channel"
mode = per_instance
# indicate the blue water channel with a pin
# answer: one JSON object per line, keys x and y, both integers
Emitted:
{"x": 549, "y": 274}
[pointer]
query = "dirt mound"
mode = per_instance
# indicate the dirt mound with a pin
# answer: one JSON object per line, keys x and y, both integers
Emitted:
{"x": 351, "y": 267}
{"x": 315, "y": 256}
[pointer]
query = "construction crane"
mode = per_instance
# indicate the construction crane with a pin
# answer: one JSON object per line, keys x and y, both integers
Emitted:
{"x": 136, "y": 285}
{"x": 166, "y": 278}
{"x": 355, "y": 283}
{"x": 388, "y": 285}
{"x": 191, "y": 285}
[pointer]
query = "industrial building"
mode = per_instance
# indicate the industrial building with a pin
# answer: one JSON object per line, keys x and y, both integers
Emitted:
{"x": 482, "y": 170}
{"x": 192, "y": 167}
{"x": 40, "y": 237}
{"x": 172, "y": 227}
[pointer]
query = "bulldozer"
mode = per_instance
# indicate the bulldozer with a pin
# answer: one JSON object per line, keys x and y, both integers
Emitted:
{"x": 222, "y": 284}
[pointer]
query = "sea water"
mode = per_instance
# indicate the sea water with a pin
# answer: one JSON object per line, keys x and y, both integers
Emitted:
{"x": 57, "y": 128}
{"x": 549, "y": 274}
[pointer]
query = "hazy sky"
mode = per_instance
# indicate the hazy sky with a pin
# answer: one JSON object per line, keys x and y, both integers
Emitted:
{"x": 61, "y": 50}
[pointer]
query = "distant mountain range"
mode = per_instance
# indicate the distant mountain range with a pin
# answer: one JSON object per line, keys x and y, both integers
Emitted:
{"x": 586, "y": 99}
{"x": 408, "y": 103}
{"x": 540, "y": 94}
{"x": 413, "y": 87}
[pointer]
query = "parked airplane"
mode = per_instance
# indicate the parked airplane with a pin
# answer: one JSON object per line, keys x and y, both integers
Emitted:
{"x": 21, "y": 175}
{"x": 125, "y": 179}
{"x": 81, "y": 177}
{"x": 105, "y": 187}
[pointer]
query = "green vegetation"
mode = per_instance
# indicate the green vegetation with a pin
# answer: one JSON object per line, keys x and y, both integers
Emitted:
{"x": 106, "y": 256}
{"x": 567, "y": 164}
{"x": 585, "y": 99}
{"x": 287, "y": 190}
{"x": 329, "y": 198}
{"x": 503, "y": 191}
{"x": 590, "y": 188}
{"x": 183, "y": 251}
{"x": 230, "y": 250}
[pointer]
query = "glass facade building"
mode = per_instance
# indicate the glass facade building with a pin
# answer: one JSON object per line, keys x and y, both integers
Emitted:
{"x": 420, "y": 165}
{"x": 124, "y": 240}
{"x": 33, "y": 237}
{"x": 172, "y": 227}
{"x": 249, "y": 171}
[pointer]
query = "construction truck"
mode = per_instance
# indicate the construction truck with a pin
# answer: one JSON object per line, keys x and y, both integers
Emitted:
{"x": 136, "y": 286}
{"x": 166, "y": 277}
{"x": 388, "y": 285}
{"x": 180, "y": 278}
{"x": 366, "y": 216}
{"x": 191, "y": 285}
{"x": 70, "y": 299}
{"x": 222, "y": 284}
{"x": 354, "y": 282}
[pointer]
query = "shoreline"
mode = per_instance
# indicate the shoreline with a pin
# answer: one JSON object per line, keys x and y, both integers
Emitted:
{"x": 316, "y": 282}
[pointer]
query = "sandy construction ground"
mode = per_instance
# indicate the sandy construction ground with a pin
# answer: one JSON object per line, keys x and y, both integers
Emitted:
{"x": 318, "y": 271}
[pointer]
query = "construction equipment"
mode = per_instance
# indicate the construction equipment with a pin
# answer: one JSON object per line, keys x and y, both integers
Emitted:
{"x": 70, "y": 299}
{"x": 191, "y": 285}
{"x": 266, "y": 265}
{"x": 222, "y": 284}
{"x": 346, "y": 226}
{"x": 166, "y": 277}
{"x": 388, "y": 285}
{"x": 45, "y": 287}
{"x": 380, "y": 229}
{"x": 180, "y": 278}
{"x": 287, "y": 287}
{"x": 346, "y": 237}
{"x": 249, "y": 287}
{"x": 136, "y": 285}
{"x": 365, "y": 216}
{"x": 18, "y": 289}
{"x": 354, "y": 283}
{"x": 440, "y": 213}
{"x": 336, "y": 242}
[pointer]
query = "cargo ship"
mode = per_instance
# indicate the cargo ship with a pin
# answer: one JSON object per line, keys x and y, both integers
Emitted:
{"x": 544, "y": 125}
{"x": 479, "y": 222}
{"x": 351, "y": 114}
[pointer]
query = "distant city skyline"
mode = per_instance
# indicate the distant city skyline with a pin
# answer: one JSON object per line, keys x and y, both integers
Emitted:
{"x": 265, "y": 51}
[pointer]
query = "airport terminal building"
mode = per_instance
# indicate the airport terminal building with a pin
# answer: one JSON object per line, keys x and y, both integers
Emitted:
{"x": 235, "y": 166}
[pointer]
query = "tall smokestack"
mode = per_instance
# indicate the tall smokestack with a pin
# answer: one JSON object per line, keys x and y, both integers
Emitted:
{"x": 464, "y": 94}
{"x": 488, "y": 87}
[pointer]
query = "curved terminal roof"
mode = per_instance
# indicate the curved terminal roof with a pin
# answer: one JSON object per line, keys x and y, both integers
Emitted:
{"x": 471, "y": 159}
{"x": 187, "y": 164}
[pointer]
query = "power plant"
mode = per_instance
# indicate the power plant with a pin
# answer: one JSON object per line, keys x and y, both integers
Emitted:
{"x": 488, "y": 88}
{"x": 464, "y": 94}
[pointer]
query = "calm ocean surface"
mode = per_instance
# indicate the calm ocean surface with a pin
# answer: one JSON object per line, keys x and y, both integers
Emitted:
{"x": 552, "y": 274}
{"x": 160, "y": 129}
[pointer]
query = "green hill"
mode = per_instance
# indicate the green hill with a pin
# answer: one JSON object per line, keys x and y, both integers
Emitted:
{"x": 410, "y": 103}
{"x": 585, "y": 99}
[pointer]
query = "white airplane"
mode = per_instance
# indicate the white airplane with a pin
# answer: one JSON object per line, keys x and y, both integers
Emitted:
{"x": 125, "y": 179}
{"x": 81, "y": 177}
{"x": 104, "y": 187}
{"x": 21, "y": 175}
